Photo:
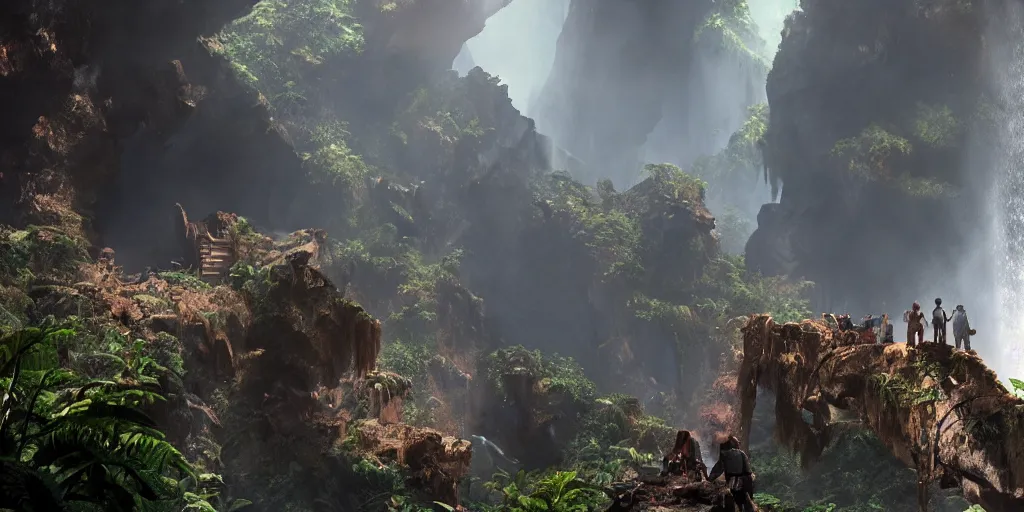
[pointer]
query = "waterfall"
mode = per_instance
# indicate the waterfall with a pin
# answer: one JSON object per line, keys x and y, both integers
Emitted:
{"x": 1008, "y": 65}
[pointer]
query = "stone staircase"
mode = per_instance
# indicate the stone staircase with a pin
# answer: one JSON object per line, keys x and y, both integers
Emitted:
{"x": 216, "y": 258}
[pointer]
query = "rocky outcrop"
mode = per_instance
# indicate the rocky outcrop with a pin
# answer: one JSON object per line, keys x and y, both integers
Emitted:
{"x": 942, "y": 412}
{"x": 428, "y": 32}
{"x": 876, "y": 109}
{"x": 79, "y": 74}
{"x": 306, "y": 333}
{"x": 436, "y": 463}
{"x": 624, "y": 71}
{"x": 246, "y": 369}
{"x": 523, "y": 410}
{"x": 223, "y": 150}
{"x": 111, "y": 118}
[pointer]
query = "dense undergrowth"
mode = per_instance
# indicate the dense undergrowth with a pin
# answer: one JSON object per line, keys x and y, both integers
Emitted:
{"x": 855, "y": 474}
{"x": 504, "y": 289}
{"x": 73, "y": 432}
{"x": 408, "y": 255}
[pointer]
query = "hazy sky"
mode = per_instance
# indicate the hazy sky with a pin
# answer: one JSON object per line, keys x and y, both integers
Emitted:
{"x": 770, "y": 16}
{"x": 518, "y": 45}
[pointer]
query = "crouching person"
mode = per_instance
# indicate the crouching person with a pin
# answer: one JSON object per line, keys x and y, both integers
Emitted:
{"x": 685, "y": 458}
{"x": 735, "y": 465}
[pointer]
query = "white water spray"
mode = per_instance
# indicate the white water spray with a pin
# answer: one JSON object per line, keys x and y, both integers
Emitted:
{"x": 1008, "y": 64}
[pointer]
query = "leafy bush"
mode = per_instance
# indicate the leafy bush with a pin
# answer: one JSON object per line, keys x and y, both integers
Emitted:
{"x": 558, "y": 491}
{"x": 740, "y": 292}
{"x": 71, "y": 441}
{"x": 730, "y": 29}
{"x": 1017, "y": 388}
{"x": 741, "y": 156}
{"x": 39, "y": 250}
{"x": 185, "y": 280}
{"x": 670, "y": 181}
{"x": 556, "y": 374}
{"x": 734, "y": 230}
{"x": 936, "y": 126}
{"x": 874, "y": 154}
{"x": 618, "y": 423}
{"x": 741, "y": 161}
{"x": 880, "y": 155}
{"x": 272, "y": 44}
{"x": 855, "y": 474}
{"x": 335, "y": 164}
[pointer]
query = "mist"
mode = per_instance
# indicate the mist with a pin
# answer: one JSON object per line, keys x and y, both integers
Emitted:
{"x": 353, "y": 229}
{"x": 696, "y": 117}
{"x": 770, "y": 17}
{"x": 517, "y": 45}
{"x": 986, "y": 275}
{"x": 1002, "y": 346}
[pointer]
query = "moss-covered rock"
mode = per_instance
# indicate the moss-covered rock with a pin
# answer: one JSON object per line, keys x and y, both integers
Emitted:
{"x": 907, "y": 396}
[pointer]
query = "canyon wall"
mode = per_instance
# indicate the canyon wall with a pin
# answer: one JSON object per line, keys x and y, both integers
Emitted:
{"x": 880, "y": 116}
{"x": 681, "y": 73}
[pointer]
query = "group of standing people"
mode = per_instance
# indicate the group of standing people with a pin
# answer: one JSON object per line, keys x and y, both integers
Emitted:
{"x": 961, "y": 325}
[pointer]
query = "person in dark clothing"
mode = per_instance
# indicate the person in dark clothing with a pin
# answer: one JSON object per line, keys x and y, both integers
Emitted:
{"x": 735, "y": 465}
{"x": 845, "y": 323}
{"x": 939, "y": 320}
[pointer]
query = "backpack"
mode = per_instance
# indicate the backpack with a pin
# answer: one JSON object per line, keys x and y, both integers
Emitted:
{"x": 938, "y": 316}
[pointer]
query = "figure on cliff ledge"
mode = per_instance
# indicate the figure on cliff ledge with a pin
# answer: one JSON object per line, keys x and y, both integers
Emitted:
{"x": 734, "y": 463}
{"x": 962, "y": 328}
{"x": 915, "y": 325}
{"x": 939, "y": 320}
{"x": 685, "y": 459}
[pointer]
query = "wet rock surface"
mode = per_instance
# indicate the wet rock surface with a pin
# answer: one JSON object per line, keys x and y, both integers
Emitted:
{"x": 867, "y": 73}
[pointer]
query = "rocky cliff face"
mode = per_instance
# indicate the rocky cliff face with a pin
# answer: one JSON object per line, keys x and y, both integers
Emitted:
{"x": 78, "y": 81}
{"x": 110, "y": 137}
{"x": 246, "y": 367}
{"x": 109, "y": 114}
{"x": 430, "y": 32}
{"x": 941, "y": 412}
{"x": 878, "y": 111}
{"x": 624, "y": 68}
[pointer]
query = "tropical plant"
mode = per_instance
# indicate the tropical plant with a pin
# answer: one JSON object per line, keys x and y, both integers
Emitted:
{"x": 856, "y": 473}
{"x": 1017, "y": 388}
{"x": 560, "y": 491}
{"x": 68, "y": 441}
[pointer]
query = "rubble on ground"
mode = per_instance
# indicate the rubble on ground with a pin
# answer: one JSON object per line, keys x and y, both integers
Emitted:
{"x": 671, "y": 494}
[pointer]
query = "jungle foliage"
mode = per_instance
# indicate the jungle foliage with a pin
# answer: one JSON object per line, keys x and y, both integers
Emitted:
{"x": 73, "y": 434}
{"x": 615, "y": 242}
{"x": 557, "y": 491}
{"x": 855, "y": 474}
{"x": 910, "y": 152}
{"x": 425, "y": 247}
